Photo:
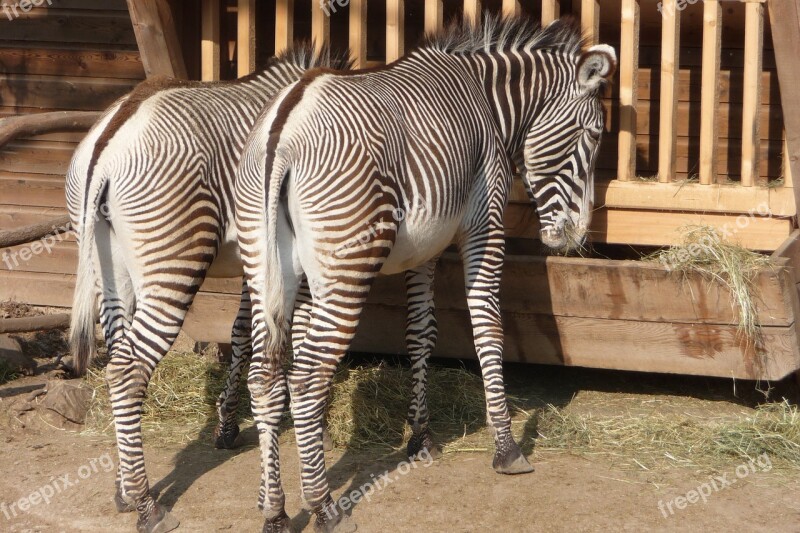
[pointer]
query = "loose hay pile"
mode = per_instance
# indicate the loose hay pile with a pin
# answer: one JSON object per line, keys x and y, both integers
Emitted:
{"x": 369, "y": 405}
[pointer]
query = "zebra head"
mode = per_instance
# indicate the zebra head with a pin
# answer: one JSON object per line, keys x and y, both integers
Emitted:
{"x": 560, "y": 148}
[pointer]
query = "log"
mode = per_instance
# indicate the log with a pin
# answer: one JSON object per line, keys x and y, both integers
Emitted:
{"x": 34, "y": 323}
{"x": 34, "y": 232}
{"x": 39, "y": 123}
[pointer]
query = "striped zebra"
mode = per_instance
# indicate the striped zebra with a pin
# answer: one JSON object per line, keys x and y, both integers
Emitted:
{"x": 150, "y": 190}
{"x": 350, "y": 175}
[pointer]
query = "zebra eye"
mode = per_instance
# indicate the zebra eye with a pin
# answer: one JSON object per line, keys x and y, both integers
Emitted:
{"x": 594, "y": 134}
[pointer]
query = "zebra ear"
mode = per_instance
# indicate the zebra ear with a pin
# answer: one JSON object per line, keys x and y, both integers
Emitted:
{"x": 596, "y": 66}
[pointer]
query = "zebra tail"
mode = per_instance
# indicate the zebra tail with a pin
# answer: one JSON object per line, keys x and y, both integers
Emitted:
{"x": 84, "y": 303}
{"x": 274, "y": 291}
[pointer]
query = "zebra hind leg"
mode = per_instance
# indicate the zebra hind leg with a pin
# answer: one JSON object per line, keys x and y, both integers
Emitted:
{"x": 420, "y": 339}
{"x": 226, "y": 434}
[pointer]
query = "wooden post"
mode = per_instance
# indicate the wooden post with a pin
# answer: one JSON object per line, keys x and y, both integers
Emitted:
{"x": 628, "y": 84}
{"x": 784, "y": 17}
{"x": 551, "y": 10}
{"x": 395, "y": 29}
{"x": 358, "y": 32}
{"x": 320, "y": 24}
{"x": 209, "y": 53}
{"x": 284, "y": 24}
{"x": 590, "y": 20}
{"x": 472, "y": 10}
{"x": 246, "y": 38}
{"x": 709, "y": 97}
{"x": 787, "y": 168}
{"x": 157, "y": 39}
{"x": 434, "y": 15}
{"x": 751, "y": 100}
{"x": 511, "y": 8}
{"x": 667, "y": 132}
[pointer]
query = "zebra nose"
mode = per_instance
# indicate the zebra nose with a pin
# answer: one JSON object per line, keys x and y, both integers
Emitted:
{"x": 555, "y": 238}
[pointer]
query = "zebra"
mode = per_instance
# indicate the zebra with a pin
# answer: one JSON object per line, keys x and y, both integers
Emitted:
{"x": 159, "y": 167}
{"x": 405, "y": 159}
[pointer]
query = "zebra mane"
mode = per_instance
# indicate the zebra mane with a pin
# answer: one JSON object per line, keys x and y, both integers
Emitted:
{"x": 305, "y": 55}
{"x": 496, "y": 33}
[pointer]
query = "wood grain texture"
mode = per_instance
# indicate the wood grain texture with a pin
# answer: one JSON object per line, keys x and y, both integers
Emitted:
{"x": 709, "y": 107}
{"x": 157, "y": 38}
{"x": 628, "y": 81}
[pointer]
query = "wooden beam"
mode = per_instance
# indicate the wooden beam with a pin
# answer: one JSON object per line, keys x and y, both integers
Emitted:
{"x": 210, "y": 49}
{"x": 511, "y": 8}
{"x": 434, "y": 15}
{"x": 395, "y": 29}
{"x": 551, "y": 10}
{"x": 751, "y": 104}
{"x": 670, "y": 53}
{"x": 358, "y": 32}
{"x": 157, "y": 38}
{"x": 787, "y": 167}
{"x": 472, "y": 10}
{"x": 628, "y": 83}
{"x": 34, "y": 232}
{"x": 284, "y": 24}
{"x": 40, "y": 123}
{"x": 590, "y": 20}
{"x": 34, "y": 323}
{"x": 245, "y": 37}
{"x": 320, "y": 24}
{"x": 709, "y": 100}
{"x": 785, "y": 20}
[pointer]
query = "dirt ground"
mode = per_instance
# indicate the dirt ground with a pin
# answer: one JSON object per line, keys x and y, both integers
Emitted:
{"x": 214, "y": 490}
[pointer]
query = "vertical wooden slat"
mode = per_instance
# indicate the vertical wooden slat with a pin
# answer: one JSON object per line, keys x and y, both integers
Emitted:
{"x": 434, "y": 15}
{"x": 787, "y": 168}
{"x": 709, "y": 96}
{"x": 395, "y": 29}
{"x": 209, "y": 52}
{"x": 472, "y": 10}
{"x": 284, "y": 24}
{"x": 590, "y": 20}
{"x": 358, "y": 32}
{"x": 551, "y": 10}
{"x": 157, "y": 38}
{"x": 628, "y": 83}
{"x": 511, "y": 8}
{"x": 246, "y": 37}
{"x": 751, "y": 100}
{"x": 320, "y": 24}
{"x": 667, "y": 131}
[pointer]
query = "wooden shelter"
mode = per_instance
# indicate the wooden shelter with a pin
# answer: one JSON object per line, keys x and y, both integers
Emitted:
{"x": 703, "y": 128}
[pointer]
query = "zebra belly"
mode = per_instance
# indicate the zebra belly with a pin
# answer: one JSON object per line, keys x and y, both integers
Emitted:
{"x": 418, "y": 242}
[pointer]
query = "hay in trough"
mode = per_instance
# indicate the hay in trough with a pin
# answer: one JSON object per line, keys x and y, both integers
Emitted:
{"x": 703, "y": 250}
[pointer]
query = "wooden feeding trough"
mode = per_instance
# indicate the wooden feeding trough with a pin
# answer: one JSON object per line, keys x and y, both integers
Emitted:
{"x": 703, "y": 128}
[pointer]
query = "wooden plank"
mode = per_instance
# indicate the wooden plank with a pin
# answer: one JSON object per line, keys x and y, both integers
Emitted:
{"x": 790, "y": 250}
{"x": 210, "y": 48}
{"x": 551, "y": 10}
{"x": 670, "y": 52}
{"x": 786, "y": 165}
{"x": 434, "y": 15}
{"x": 628, "y": 81}
{"x": 245, "y": 37}
{"x": 358, "y": 32}
{"x": 511, "y": 8}
{"x": 16, "y": 216}
{"x": 62, "y": 93}
{"x": 284, "y": 24}
{"x": 52, "y": 290}
{"x": 36, "y": 157}
{"x": 709, "y": 114}
{"x": 472, "y": 10}
{"x": 751, "y": 131}
{"x": 58, "y": 62}
{"x": 39, "y": 190}
{"x": 41, "y": 26}
{"x": 395, "y": 29}
{"x": 320, "y": 25}
{"x": 157, "y": 38}
{"x": 784, "y": 20}
{"x": 590, "y": 20}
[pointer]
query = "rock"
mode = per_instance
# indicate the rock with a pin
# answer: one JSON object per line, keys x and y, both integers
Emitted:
{"x": 69, "y": 398}
{"x": 11, "y": 354}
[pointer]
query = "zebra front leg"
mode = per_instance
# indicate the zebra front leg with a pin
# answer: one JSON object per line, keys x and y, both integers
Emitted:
{"x": 420, "y": 340}
{"x": 482, "y": 254}
{"x": 227, "y": 431}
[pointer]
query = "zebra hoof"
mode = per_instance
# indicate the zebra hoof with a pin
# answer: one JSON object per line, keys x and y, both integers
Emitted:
{"x": 227, "y": 438}
{"x": 339, "y": 523}
{"x": 508, "y": 459}
{"x": 157, "y": 521}
{"x": 279, "y": 524}
{"x": 327, "y": 441}
{"x": 421, "y": 446}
